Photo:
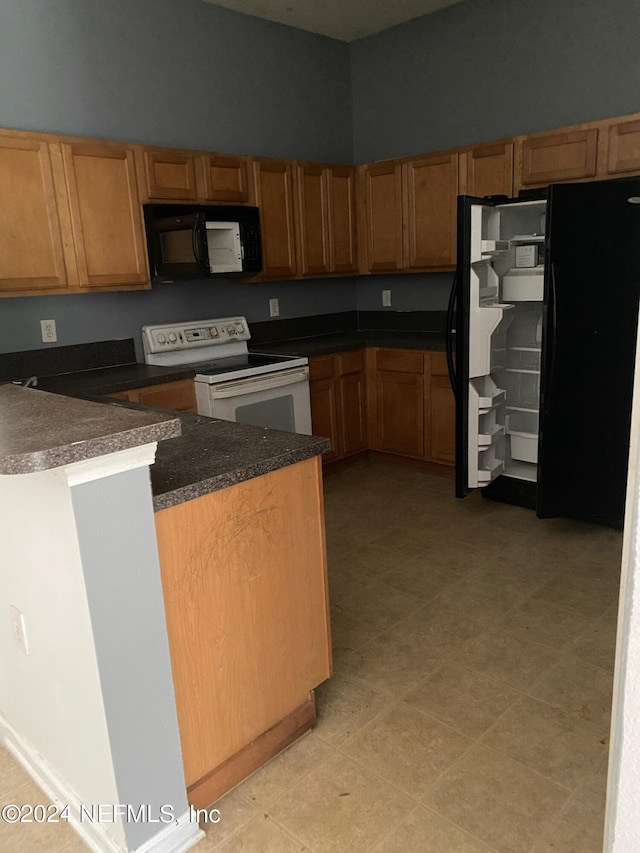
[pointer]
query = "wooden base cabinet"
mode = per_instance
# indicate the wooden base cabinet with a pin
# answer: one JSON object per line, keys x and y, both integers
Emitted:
{"x": 179, "y": 395}
{"x": 245, "y": 591}
{"x": 338, "y": 402}
{"x": 411, "y": 405}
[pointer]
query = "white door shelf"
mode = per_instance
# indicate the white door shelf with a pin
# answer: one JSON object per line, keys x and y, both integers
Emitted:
{"x": 493, "y": 469}
{"x": 486, "y": 439}
{"x": 485, "y": 404}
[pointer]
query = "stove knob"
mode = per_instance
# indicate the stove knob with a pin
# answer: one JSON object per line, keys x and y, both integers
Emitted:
{"x": 213, "y": 331}
{"x": 161, "y": 338}
{"x": 239, "y": 328}
{"x": 231, "y": 330}
{"x": 173, "y": 338}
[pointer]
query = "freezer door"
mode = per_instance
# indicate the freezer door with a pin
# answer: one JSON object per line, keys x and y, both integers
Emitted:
{"x": 592, "y": 288}
{"x": 476, "y": 319}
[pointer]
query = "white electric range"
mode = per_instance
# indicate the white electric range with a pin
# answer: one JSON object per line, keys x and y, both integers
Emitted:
{"x": 232, "y": 383}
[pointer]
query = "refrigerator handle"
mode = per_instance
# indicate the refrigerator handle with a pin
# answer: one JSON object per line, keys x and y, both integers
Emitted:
{"x": 451, "y": 313}
{"x": 552, "y": 324}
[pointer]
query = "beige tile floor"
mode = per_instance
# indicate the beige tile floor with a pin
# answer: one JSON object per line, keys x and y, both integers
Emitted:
{"x": 469, "y": 711}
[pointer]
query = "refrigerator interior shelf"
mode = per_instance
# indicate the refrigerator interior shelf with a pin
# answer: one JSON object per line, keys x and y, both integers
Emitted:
{"x": 489, "y": 472}
{"x": 485, "y": 404}
{"x": 486, "y": 439}
{"x": 521, "y": 370}
{"x": 526, "y": 349}
{"x": 527, "y": 238}
{"x": 523, "y": 407}
{"x": 522, "y": 471}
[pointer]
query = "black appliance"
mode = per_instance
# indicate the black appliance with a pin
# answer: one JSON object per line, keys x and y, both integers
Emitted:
{"x": 196, "y": 241}
{"x": 545, "y": 307}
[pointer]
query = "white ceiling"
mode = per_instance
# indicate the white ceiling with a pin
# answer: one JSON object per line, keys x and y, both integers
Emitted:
{"x": 346, "y": 20}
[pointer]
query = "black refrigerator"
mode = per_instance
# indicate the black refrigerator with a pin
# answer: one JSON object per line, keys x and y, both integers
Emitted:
{"x": 541, "y": 344}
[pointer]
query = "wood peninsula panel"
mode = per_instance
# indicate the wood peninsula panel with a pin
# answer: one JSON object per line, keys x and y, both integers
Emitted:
{"x": 562, "y": 155}
{"x": 244, "y": 584}
{"x": 32, "y": 254}
{"x": 106, "y": 214}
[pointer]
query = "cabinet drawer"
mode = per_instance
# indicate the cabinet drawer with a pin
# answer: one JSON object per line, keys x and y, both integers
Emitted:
{"x": 321, "y": 367}
{"x": 350, "y": 362}
{"x": 401, "y": 361}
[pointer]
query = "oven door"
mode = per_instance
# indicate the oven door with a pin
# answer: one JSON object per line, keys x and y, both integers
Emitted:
{"x": 276, "y": 400}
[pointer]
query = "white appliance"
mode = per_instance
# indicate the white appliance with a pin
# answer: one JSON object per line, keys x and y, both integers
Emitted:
{"x": 232, "y": 383}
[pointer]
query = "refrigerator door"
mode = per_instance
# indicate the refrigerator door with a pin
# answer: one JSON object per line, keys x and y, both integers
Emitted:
{"x": 592, "y": 288}
{"x": 475, "y": 320}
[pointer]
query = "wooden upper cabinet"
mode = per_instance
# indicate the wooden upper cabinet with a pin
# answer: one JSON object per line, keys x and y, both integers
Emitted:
{"x": 342, "y": 219}
{"x": 489, "y": 170}
{"x": 31, "y": 253}
{"x": 170, "y": 174}
{"x": 273, "y": 187}
{"x": 225, "y": 178}
{"x": 624, "y": 148}
{"x": 106, "y": 214}
{"x": 431, "y": 209}
{"x": 559, "y": 156}
{"x": 313, "y": 218}
{"x": 382, "y": 221}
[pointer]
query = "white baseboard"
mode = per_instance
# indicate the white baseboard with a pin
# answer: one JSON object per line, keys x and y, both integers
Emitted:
{"x": 176, "y": 837}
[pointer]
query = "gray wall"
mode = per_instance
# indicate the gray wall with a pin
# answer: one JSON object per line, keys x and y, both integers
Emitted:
{"x": 483, "y": 69}
{"x": 105, "y": 316}
{"x": 174, "y": 72}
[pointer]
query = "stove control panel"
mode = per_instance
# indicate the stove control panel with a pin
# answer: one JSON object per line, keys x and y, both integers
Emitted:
{"x": 172, "y": 337}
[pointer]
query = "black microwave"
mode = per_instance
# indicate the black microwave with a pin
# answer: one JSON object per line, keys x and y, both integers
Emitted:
{"x": 194, "y": 241}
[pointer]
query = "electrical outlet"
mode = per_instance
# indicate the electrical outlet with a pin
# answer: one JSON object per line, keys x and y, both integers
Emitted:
{"x": 48, "y": 328}
{"x": 386, "y": 298}
{"x": 18, "y": 629}
{"x": 274, "y": 308}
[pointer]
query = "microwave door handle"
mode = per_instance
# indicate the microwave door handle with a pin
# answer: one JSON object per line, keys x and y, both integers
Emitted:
{"x": 198, "y": 222}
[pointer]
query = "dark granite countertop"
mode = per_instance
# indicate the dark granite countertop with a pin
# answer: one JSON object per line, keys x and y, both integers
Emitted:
{"x": 212, "y": 454}
{"x": 39, "y": 431}
{"x": 341, "y": 341}
{"x": 108, "y": 380}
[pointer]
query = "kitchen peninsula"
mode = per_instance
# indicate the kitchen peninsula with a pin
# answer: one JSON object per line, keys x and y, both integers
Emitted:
{"x": 154, "y": 652}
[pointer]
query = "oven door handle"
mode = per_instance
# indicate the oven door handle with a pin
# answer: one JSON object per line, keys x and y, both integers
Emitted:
{"x": 252, "y": 384}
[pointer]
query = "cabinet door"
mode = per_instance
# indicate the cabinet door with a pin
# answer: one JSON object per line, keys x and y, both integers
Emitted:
{"x": 399, "y": 404}
{"x": 106, "y": 214}
{"x": 31, "y": 257}
{"x": 559, "y": 156}
{"x": 490, "y": 170}
{"x": 274, "y": 196}
{"x": 431, "y": 191}
{"x": 170, "y": 174}
{"x": 353, "y": 413}
{"x": 441, "y": 412}
{"x": 179, "y": 395}
{"x": 225, "y": 178}
{"x": 624, "y": 148}
{"x": 324, "y": 415}
{"x": 383, "y": 217}
{"x": 313, "y": 218}
{"x": 342, "y": 219}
